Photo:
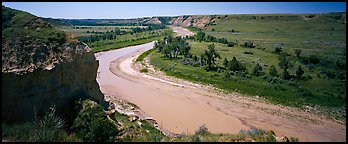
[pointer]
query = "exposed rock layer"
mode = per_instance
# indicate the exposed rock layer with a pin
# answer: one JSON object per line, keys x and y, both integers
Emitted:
{"x": 37, "y": 74}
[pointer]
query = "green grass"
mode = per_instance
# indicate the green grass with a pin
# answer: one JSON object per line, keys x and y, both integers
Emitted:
{"x": 123, "y": 44}
{"x": 144, "y": 54}
{"x": 193, "y": 29}
{"x": 82, "y": 31}
{"x": 128, "y": 40}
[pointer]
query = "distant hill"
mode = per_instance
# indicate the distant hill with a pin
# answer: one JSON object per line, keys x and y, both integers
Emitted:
{"x": 199, "y": 21}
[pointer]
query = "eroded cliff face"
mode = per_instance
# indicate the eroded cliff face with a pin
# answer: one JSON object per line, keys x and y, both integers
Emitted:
{"x": 38, "y": 73}
{"x": 194, "y": 21}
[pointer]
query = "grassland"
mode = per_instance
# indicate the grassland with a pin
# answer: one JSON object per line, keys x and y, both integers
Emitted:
{"x": 322, "y": 36}
{"x": 86, "y": 30}
{"x": 127, "y": 38}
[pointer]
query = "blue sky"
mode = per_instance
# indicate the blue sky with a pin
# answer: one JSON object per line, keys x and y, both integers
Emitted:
{"x": 119, "y": 10}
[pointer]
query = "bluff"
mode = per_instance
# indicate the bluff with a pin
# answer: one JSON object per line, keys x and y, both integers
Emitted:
{"x": 42, "y": 67}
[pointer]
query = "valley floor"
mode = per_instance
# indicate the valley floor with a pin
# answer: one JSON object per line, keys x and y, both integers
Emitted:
{"x": 181, "y": 107}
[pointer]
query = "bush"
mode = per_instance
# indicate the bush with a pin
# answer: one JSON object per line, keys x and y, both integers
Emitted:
{"x": 231, "y": 44}
{"x": 257, "y": 70}
{"x": 202, "y": 130}
{"x": 248, "y": 52}
{"x": 144, "y": 70}
{"x": 313, "y": 59}
{"x": 278, "y": 49}
{"x": 92, "y": 124}
{"x": 49, "y": 128}
{"x": 273, "y": 71}
{"x": 248, "y": 44}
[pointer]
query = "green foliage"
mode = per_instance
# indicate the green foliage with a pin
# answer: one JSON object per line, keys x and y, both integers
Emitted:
{"x": 234, "y": 65}
{"x": 273, "y": 71}
{"x": 298, "y": 53}
{"x": 173, "y": 47}
{"x": 284, "y": 63}
{"x": 144, "y": 54}
{"x": 278, "y": 49}
{"x": 210, "y": 55}
{"x": 17, "y": 24}
{"x": 248, "y": 44}
{"x": 92, "y": 124}
{"x": 311, "y": 59}
{"x": 286, "y": 75}
{"x": 200, "y": 36}
{"x": 257, "y": 70}
{"x": 231, "y": 44}
{"x": 144, "y": 70}
{"x": 299, "y": 72}
{"x": 49, "y": 128}
{"x": 202, "y": 130}
{"x": 225, "y": 63}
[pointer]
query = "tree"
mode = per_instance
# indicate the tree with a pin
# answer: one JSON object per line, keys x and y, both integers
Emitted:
{"x": 299, "y": 72}
{"x": 257, "y": 71}
{"x": 286, "y": 74}
{"x": 225, "y": 63}
{"x": 278, "y": 49}
{"x": 222, "y": 40}
{"x": 248, "y": 44}
{"x": 234, "y": 65}
{"x": 200, "y": 36}
{"x": 203, "y": 59}
{"x": 298, "y": 53}
{"x": 210, "y": 55}
{"x": 273, "y": 71}
{"x": 230, "y": 44}
{"x": 284, "y": 63}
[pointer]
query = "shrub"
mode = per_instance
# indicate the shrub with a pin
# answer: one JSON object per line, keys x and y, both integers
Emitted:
{"x": 257, "y": 70}
{"x": 234, "y": 65}
{"x": 92, "y": 124}
{"x": 49, "y": 128}
{"x": 248, "y": 52}
{"x": 196, "y": 138}
{"x": 248, "y": 44}
{"x": 313, "y": 59}
{"x": 273, "y": 71}
{"x": 278, "y": 49}
{"x": 231, "y": 44}
{"x": 222, "y": 40}
{"x": 298, "y": 53}
{"x": 202, "y": 130}
{"x": 299, "y": 72}
{"x": 225, "y": 63}
{"x": 286, "y": 74}
{"x": 144, "y": 70}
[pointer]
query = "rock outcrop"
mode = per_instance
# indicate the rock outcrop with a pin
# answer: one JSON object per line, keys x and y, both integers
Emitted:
{"x": 153, "y": 20}
{"x": 42, "y": 67}
{"x": 194, "y": 21}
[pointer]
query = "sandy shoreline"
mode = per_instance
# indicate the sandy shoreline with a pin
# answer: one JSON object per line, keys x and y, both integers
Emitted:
{"x": 182, "y": 106}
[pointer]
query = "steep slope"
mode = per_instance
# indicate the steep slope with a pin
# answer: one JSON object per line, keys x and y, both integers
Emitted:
{"x": 41, "y": 67}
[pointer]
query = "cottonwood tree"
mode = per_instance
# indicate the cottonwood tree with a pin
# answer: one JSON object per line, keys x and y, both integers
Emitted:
{"x": 210, "y": 56}
{"x": 299, "y": 72}
{"x": 273, "y": 71}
